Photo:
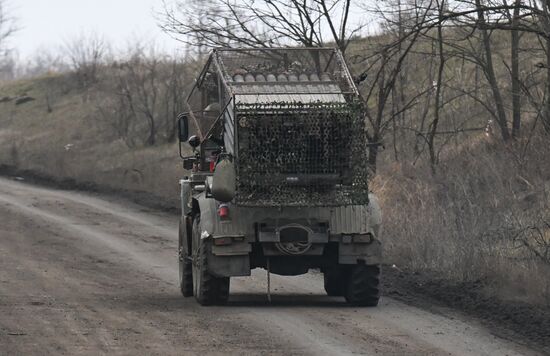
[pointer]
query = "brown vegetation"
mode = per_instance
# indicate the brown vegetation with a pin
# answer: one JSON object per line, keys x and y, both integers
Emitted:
{"x": 484, "y": 217}
{"x": 91, "y": 134}
{"x": 456, "y": 96}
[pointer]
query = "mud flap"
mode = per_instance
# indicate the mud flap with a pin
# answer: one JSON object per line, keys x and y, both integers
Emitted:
{"x": 354, "y": 253}
{"x": 230, "y": 260}
{"x": 229, "y": 266}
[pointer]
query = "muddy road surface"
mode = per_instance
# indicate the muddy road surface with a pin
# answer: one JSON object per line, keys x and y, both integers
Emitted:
{"x": 81, "y": 274}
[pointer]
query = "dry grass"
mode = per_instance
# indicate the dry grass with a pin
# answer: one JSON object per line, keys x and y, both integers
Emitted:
{"x": 70, "y": 142}
{"x": 470, "y": 221}
{"x": 475, "y": 219}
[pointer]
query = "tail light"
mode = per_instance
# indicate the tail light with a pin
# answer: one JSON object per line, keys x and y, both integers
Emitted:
{"x": 223, "y": 211}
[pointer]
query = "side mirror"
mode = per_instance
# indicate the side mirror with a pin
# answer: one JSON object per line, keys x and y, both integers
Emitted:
{"x": 194, "y": 141}
{"x": 183, "y": 128}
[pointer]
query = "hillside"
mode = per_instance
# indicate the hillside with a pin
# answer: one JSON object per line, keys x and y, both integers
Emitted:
{"x": 64, "y": 140}
{"x": 481, "y": 218}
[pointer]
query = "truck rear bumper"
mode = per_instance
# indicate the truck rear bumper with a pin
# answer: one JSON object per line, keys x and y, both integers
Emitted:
{"x": 235, "y": 259}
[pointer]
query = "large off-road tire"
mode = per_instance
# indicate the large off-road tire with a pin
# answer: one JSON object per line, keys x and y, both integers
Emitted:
{"x": 208, "y": 290}
{"x": 184, "y": 260}
{"x": 363, "y": 285}
{"x": 335, "y": 281}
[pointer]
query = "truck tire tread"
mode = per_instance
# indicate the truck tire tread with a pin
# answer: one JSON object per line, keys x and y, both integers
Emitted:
{"x": 363, "y": 287}
{"x": 211, "y": 290}
{"x": 185, "y": 265}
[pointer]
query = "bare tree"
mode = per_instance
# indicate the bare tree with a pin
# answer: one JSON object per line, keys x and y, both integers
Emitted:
{"x": 490, "y": 72}
{"x": 144, "y": 94}
{"x": 514, "y": 71}
{"x": 139, "y": 88}
{"x": 438, "y": 88}
{"x": 86, "y": 53}
{"x": 173, "y": 88}
{"x": 7, "y": 29}
{"x": 261, "y": 23}
{"x": 545, "y": 24}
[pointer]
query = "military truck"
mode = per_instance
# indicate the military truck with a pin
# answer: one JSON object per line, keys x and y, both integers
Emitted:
{"x": 278, "y": 175}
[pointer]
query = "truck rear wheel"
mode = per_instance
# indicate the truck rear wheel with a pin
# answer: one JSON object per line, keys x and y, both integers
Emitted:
{"x": 363, "y": 287}
{"x": 335, "y": 281}
{"x": 208, "y": 289}
{"x": 184, "y": 261}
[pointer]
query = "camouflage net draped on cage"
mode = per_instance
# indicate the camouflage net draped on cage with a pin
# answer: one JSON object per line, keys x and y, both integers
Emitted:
{"x": 301, "y": 155}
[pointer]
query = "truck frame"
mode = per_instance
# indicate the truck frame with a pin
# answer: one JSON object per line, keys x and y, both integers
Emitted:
{"x": 278, "y": 175}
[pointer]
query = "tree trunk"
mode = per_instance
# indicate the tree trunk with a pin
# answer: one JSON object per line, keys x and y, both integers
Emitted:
{"x": 490, "y": 74}
{"x": 546, "y": 116}
{"x": 402, "y": 78}
{"x": 152, "y": 139}
{"x": 435, "y": 123}
{"x": 546, "y": 110}
{"x": 377, "y": 125}
{"x": 516, "y": 102}
{"x": 427, "y": 105}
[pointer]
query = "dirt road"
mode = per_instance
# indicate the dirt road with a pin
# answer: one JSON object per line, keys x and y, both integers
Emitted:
{"x": 88, "y": 275}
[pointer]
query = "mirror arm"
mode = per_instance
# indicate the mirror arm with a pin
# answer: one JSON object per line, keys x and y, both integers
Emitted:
{"x": 181, "y": 155}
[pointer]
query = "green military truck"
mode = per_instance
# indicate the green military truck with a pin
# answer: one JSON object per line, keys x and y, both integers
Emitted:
{"x": 278, "y": 175}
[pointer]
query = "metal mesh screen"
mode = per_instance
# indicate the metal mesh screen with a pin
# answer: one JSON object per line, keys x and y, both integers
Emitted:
{"x": 301, "y": 155}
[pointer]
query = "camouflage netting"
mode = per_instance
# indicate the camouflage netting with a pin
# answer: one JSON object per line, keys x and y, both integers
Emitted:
{"x": 301, "y": 155}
